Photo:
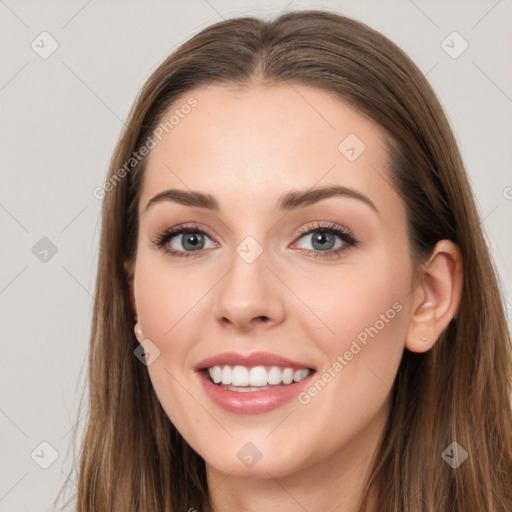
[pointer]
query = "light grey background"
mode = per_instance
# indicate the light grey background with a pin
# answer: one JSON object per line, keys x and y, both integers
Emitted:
{"x": 60, "y": 119}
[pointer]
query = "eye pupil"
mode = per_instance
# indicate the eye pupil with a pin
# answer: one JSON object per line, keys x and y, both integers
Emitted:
{"x": 194, "y": 239}
{"x": 323, "y": 239}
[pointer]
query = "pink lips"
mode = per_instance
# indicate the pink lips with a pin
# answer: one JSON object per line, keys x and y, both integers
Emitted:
{"x": 254, "y": 359}
{"x": 253, "y": 402}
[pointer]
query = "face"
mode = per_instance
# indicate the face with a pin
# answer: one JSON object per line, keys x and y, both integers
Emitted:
{"x": 264, "y": 285}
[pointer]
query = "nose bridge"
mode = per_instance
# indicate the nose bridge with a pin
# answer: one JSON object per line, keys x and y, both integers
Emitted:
{"x": 249, "y": 291}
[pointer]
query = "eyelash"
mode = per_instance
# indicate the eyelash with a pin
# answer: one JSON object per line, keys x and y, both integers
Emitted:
{"x": 343, "y": 233}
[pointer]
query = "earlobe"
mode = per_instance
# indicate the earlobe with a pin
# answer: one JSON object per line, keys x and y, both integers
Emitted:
{"x": 421, "y": 333}
{"x": 437, "y": 297}
{"x": 137, "y": 329}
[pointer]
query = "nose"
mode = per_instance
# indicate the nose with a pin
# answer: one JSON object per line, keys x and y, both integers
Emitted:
{"x": 250, "y": 296}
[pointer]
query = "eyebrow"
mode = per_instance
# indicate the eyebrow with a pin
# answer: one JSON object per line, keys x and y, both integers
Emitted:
{"x": 289, "y": 201}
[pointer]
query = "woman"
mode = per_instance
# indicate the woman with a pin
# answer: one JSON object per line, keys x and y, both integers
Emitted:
{"x": 295, "y": 307}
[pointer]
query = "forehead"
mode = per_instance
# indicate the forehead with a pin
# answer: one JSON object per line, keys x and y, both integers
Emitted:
{"x": 250, "y": 143}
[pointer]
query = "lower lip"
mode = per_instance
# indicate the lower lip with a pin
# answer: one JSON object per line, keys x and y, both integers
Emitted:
{"x": 251, "y": 402}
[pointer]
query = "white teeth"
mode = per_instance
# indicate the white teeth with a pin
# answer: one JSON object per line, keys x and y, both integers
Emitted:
{"x": 240, "y": 376}
{"x": 216, "y": 374}
{"x": 274, "y": 375}
{"x": 287, "y": 376}
{"x": 256, "y": 378}
{"x": 226, "y": 377}
{"x": 302, "y": 376}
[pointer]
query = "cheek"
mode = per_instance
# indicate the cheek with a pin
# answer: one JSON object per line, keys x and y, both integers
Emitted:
{"x": 366, "y": 313}
{"x": 172, "y": 310}
{"x": 166, "y": 297}
{"x": 364, "y": 319}
{"x": 368, "y": 295}
{"x": 165, "y": 301}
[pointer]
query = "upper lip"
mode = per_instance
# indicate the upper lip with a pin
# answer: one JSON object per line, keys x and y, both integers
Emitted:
{"x": 250, "y": 360}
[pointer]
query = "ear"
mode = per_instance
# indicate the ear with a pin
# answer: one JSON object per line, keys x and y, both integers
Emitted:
{"x": 436, "y": 298}
{"x": 129, "y": 268}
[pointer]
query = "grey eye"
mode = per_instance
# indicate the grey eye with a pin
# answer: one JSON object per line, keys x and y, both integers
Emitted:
{"x": 321, "y": 240}
{"x": 190, "y": 241}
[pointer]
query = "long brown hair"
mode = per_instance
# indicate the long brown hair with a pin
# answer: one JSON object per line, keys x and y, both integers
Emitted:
{"x": 133, "y": 459}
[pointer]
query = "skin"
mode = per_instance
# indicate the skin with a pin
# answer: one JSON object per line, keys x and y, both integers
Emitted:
{"x": 247, "y": 146}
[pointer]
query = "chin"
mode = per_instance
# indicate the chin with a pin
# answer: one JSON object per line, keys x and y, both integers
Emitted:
{"x": 256, "y": 459}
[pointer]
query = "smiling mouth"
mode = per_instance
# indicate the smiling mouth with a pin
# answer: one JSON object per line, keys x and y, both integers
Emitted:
{"x": 245, "y": 379}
